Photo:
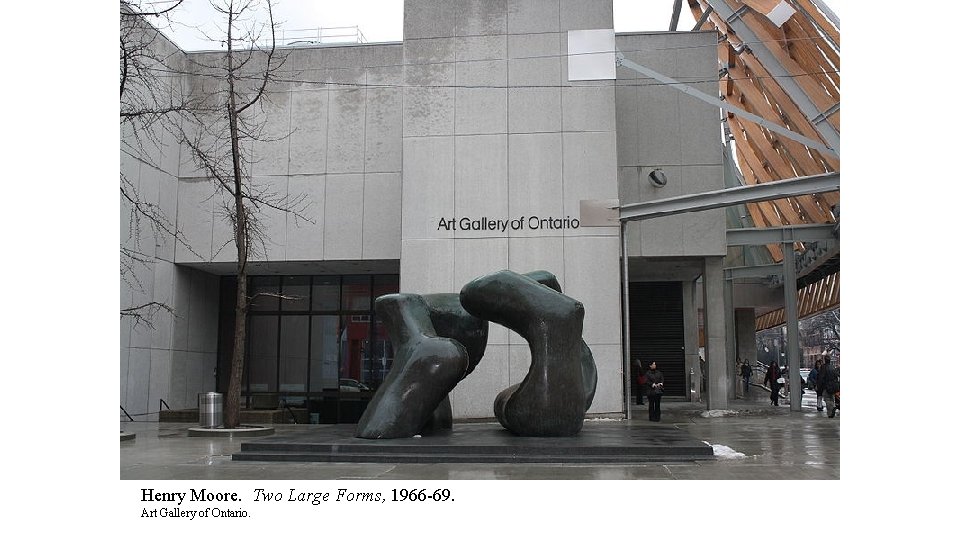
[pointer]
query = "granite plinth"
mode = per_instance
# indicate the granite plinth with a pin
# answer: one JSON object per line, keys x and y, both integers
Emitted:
{"x": 597, "y": 442}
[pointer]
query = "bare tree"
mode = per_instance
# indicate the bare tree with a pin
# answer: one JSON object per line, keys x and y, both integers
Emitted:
{"x": 151, "y": 105}
{"x": 235, "y": 85}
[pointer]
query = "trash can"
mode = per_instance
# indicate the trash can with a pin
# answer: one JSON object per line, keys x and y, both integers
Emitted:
{"x": 211, "y": 409}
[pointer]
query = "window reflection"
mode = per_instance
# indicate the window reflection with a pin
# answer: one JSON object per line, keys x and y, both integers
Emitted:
{"x": 313, "y": 343}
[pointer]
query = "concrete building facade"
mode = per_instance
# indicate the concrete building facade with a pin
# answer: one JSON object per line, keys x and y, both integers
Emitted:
{"x": 423, "y": 164}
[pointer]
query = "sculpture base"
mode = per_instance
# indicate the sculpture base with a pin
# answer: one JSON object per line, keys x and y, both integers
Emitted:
{"x": 597, "y": 442}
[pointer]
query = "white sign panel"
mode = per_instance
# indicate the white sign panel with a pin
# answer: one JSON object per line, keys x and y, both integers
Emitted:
{"x": 591, "y": 55}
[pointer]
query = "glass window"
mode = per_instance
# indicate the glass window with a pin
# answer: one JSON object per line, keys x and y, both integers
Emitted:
{"x": 294, "y": 336}
{"x": 263, "y": 353}
{"x": 354, "y": 351}
{"x": 324, "y": 352}
{"x": 356, "y": 293}
{"x": 385, "y": 285}
{"x": 318, "y": 347}
{"x": 382, "y": 355}
{"x": 264, "y": 291}
{"x": 326, "y": 293}
{"x": 296, "y": 293}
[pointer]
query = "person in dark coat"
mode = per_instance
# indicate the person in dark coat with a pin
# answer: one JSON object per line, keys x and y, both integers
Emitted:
{"x": 828, "y": 384}
{"x": 812, "y": 382}
{"x": 745, "y": 373}
{"x": 654, "y": 391}
{"x": 771, "y": 378}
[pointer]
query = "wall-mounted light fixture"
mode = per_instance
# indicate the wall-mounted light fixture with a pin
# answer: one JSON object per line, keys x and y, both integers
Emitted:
{"x": 657, "y": 178}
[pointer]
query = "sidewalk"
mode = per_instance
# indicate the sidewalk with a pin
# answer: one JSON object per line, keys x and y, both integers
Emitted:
{"x": 752, "y": 441}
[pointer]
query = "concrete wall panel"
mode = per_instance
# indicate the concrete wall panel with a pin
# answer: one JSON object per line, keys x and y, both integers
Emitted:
{"x": 426, "y": 266}
{"x": 536, "y": 186}
{"x": 533, "y": 16}
{"x": 589, "y": 108}
{"x": 585, "y": 15}
{"x": 383, "y": 150}
{"x": 609, "y": 395}
{"x": 481, "y": 110}
{"x": 272, "y": 221}
{"x": 481, "y": 17}
{"x": 305, "y": 237}
{"x": 428, "y": 187}
{"x": 138, "y": 382}
{"x": 471, "y": 48}
{"x": 481, "y": 188}
{"x": 345, "y": 135}
{"x": 195, "y": 219}
{"x": 381, "y": 217}
{"x": 534, "y": 59}
{"x": 477, "y": 257}
{"x": 593, "y": 278}
{"x": 308, "y": 137}
{"x": 533, "y": 110}
{"x": 429, "y": 18}
{"x": 589, "y": 172}
{"x": 343, "y": 217}
{"x": 473, "y": 396}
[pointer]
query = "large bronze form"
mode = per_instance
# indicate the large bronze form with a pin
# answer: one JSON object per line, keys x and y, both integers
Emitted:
{"x": 440, "y": 338}
{"x": 551, "y": 399}
{"x": 437, "y": 344}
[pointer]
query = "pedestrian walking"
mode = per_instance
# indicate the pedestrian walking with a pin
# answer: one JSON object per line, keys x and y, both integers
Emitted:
{"x": 654, "y": 391}
{"x": 828, "y": 383}
{"x": 812, "y": 382}
{"x": 774, "y": 379}
{"x": 745, "y": 374}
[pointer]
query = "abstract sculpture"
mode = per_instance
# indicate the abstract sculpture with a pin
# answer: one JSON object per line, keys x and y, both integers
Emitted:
{"x": 437, "y": 344}
{"x": 550, "y": 401}
{"x": 440, "y": 339}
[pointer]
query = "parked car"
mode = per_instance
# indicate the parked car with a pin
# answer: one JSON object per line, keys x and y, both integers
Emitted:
{"x": 353, "y": 385}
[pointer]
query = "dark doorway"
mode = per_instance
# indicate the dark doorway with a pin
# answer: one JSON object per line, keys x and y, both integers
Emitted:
{"x": 656, "y": 331}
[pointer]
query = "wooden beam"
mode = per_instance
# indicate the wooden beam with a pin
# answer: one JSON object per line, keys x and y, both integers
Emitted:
{"x": 822, "y": 23}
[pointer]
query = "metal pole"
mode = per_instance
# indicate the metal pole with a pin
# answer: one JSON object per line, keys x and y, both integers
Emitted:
{"x": 625, "y": 286}
{"x": 703, "y": 18}
{"x": 675, "y": 18}
{"x": 792, "y": 326}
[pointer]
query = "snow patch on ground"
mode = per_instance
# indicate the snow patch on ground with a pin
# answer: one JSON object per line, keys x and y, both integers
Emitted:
{"x": 603, "y": 419}
{"x": 715, "y": 413}
{"x": 725, "y": 452}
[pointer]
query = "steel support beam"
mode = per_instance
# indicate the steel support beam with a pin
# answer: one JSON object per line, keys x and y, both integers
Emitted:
{"x": 793, "y": 325}
{"x": 832, "y": 150}
{"x": 730, "y": 338}
{"x": 675, "y": 18}
{"x": 625, "y": 312}
{"x": 778, "y": 235}
{"x": 703, "y": 18}
{"x": 721, "y": 198}
{"x": 761, "y": 271}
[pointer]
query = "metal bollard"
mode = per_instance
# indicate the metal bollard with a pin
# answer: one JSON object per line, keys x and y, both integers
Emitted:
{"x": 211, "y": 409}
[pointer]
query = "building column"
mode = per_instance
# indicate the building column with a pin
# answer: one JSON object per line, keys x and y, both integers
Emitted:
{"x": 730, "y": 336}
{"x": 715, "y": 333}
{"x": 691, "y": 341}
{"x": 792, "y": 324}
{"x": 746, "y": 322}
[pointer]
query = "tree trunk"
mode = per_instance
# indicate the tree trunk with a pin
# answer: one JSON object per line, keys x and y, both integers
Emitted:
{"x": 231, "y": 406}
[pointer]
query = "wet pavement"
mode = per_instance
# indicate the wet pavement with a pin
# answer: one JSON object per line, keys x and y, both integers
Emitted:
{"x": 752, "y": 441}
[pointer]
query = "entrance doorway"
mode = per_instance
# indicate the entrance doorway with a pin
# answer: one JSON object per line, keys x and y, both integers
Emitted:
{"x": 656, "y": 331}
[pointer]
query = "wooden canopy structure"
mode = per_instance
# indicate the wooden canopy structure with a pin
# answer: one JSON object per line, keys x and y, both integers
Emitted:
{"x": 780, "y": 60}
